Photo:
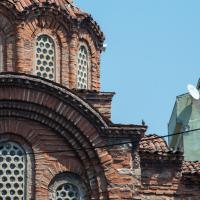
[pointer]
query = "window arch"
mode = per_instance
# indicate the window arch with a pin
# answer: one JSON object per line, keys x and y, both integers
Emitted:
{"x": 45, "y": 57}
{"x": 82, "y": 67}
{"x": 13, "y": 167}
{"x": 68, "y": 186}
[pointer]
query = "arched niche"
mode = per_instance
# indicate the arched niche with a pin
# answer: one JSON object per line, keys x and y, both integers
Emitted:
{"x": 31, "y": 98}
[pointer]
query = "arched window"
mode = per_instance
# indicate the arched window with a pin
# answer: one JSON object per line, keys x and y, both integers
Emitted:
{"x": 1, "y": 54}
{"x": 68, "y": 186}
{"x": 45, "y": 57}
{"x": 67, "y": 191}
{"x": 83, "y": 64}
{"x": 12, "y": 172}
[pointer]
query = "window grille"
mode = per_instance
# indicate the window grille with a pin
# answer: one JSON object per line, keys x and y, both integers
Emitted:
{"x": 12, "y": 172}
{"x": 45, "y": 57}
{"x": 67, "y": 192}
{"x": 68, "y": 186}
{"x": 82, "y": 72}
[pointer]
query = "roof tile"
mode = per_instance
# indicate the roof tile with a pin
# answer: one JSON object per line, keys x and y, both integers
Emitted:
{"x": 152, "y": 144}
{"x": 191, "y": 167}
{"x": 155, "y": 144}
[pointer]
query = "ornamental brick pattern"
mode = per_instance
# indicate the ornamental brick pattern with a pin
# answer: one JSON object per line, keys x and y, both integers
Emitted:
{"x": 23, "y": 21}
{"x": 70, "y": 144}
{"x": 52, "y": 118}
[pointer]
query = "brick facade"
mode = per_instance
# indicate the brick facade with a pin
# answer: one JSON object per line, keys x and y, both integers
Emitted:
{"x": 66, "y": 133}
{"x": 23, "y": 21}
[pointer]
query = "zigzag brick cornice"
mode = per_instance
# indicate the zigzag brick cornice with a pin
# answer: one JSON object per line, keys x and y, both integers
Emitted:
{"x": 8, "y": 4}
{"x": 63, "y": 9}
{"x": 46, "y": 8}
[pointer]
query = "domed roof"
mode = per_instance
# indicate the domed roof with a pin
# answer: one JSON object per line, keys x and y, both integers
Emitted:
{"x": 67, "y": 5}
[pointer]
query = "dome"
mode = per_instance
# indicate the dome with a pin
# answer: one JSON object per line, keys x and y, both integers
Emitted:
{"x": 51, "y": 39}
{"x": 67, "y": 5}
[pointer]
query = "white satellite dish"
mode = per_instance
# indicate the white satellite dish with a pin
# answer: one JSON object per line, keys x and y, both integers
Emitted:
{"x": 105, "y": 47}
{"x": 193, "y": 91}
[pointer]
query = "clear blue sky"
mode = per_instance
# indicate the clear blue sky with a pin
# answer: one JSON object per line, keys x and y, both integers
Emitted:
{"x": 153, "y": 53}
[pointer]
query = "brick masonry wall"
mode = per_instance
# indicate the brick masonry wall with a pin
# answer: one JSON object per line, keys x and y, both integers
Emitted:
{"x": 99, "y": 100}
{"x": 19, "y": 46}
{"x": 43, "y": 117}
{"x": 47, "y": 122}
{"x": 42, "y": 139}
{"x": 123, "y": 182}
{"x": 162, "y": 178}
{"x": 157, "y": 182}
{"x": 8, "y": 35}
{"x": 37, "y": 113}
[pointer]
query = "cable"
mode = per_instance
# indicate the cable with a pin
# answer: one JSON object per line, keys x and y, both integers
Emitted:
{"x": 179, "y": 133}
{"x": 110, "y": 145}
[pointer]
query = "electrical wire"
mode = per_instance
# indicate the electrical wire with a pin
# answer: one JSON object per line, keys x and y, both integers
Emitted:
{"x": 111, "y": 145}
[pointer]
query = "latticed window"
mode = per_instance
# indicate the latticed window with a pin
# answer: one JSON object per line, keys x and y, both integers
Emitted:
{"x": 68, "y": 186}
{"x": 12, "y": 172}
{"x": 45, "y": 57}
{"x": 67, "y": 192}
{"x": 82, "y": 72}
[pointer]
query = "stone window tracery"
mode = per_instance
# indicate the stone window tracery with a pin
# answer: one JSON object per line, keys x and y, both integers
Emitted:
{"x": 12, "y": 171}
{"x": 45, "y": 57}
{"x": 83, "y": 64}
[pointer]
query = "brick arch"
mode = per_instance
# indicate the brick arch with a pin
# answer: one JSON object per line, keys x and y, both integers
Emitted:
{"x": 57, "y": 46}
{"x": 57, "y": 108}
{"x": 82, "y": 36}
{"x": 44, "y": 24}
{"x": 7, "y": 136}
{"x": 9, "y": 8}
{"x": 89, "y": 55}
{"x": 86, "y": 37}
{"x": 26, "y": 132}
{"x": 89, "y": 158}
